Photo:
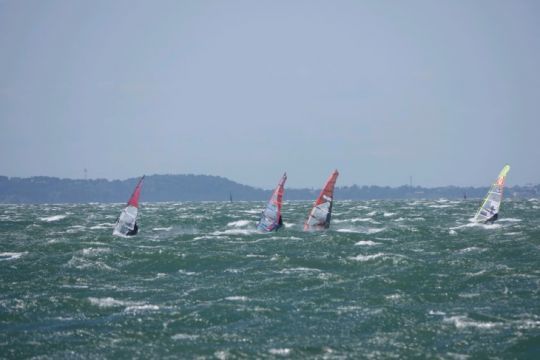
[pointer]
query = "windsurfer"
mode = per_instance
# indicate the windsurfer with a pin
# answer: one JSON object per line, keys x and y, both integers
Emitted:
{"x": 271, "y": 216}
{"x": 126, "y": 223}
{"x": 134, "y": 231}
{"x": 489, "y": 210}
{"x": 280, "y": 223}
{"x": 493, "y": 215}
{"x": 492, "y": 219}
{"x": 321, "y": 213}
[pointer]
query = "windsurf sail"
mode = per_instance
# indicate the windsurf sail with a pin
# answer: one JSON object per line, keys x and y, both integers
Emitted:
{"x": 127, "y": 221}
{"x": 320, "y": 214}
{"x": 271, "y": 215}
{"x": 489, "y": 211}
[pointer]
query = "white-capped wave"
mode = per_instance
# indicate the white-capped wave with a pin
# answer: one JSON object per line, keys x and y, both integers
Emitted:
{"x": 468, "y": 295}
{"x": 162, "y": 228}
{"x": 252, "y": 211}
{"x": 355, "y": 220}
{"x": 184, "y": 337}
{"x": 282, "y": 352}
{"x": 11, "y": 255}
{"x": 84, "y": 263}
{"x": 361, "y": 257}
{"x": 95, "y": 251}
{"x": 509, "y": 220}
{"x": 383, "y": 256}
{"x": 471, "y": 249}
{"x": 189, "y": 273}
{"x": 237, "y": 298}
{"x": 298, "y": 269}
{"x": 462, "y": 322}
{"x": 210, "y": 237}
{"x": 528, "y": 324}
{"x": 119, "y": 234}
{"x": 348, "y": 231}
{"x": 102, "y": 226}
{"x": 193, "y": 217}
{"x": 360, "y": 207}
{"x": 236, "y": 232}
{"x": 479, "y": 225}
{"x": 136, "y": 309}
{"x": 233, "y": 271}
{"x": 239, "y": 223}
{"x": 222, "y": 354}
{"x": 491, "y": 226}
{"x": 361, "y": 230}
{"x": 75, "y": 229}
{"x": 514, "y": 233}
{"x": 109, "y": 302}
{"x": 481, "y": 272}
{"x": 468, "y": 225}
{"x": 53, "y": 218}
{"x": 436, "y": 312}
{"x": 366, "y": 243}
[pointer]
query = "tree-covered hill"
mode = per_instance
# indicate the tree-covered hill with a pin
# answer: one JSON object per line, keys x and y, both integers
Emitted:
{"x": 157, "y": 188}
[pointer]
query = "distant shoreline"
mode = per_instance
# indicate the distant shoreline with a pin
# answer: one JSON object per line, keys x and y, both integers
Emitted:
{"x": 166, "y": 188}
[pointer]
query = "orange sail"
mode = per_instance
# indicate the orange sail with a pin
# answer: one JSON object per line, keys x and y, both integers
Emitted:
{"x": 321, "y": 213}
{"x": 134, "y": 199}
{"x": 271, "y": 216}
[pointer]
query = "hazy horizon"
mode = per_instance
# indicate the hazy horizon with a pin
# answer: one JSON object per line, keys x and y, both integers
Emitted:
{"x": 446, "y": 92}
{"x": 272, "y": 187}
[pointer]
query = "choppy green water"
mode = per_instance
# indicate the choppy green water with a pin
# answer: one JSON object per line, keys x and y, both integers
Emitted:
{"x": 389, "y": 279}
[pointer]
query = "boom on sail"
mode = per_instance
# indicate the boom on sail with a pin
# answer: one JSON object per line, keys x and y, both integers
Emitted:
{"x": 126, "y": 224}
{"x": 321, "y": 213}
{"x": 271, "y": 216}
{"x": 489, "y": 211}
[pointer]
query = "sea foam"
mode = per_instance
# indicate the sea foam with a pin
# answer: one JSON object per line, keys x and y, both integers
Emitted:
{"x": 53, "y": 218}
{"x": 11, "y": 255}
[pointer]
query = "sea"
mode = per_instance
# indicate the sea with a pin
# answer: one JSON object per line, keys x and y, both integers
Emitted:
{"x": 389, "y": 279}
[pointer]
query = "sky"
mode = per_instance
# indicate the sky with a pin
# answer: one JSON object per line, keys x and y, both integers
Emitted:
{"x": 444, "y": 91}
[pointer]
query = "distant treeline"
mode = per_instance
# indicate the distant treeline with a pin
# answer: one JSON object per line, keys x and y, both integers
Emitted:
{"x": 157, "y": 188}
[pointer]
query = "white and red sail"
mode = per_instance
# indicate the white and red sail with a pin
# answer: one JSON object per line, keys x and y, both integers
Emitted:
{"x": 271, "y": 216}
{"x": 127, "y": 221}
{"x": 321, "y": 213}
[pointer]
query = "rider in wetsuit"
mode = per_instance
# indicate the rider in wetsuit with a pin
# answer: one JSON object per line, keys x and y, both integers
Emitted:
{"x": 134, "y": 231}
{"x": 280, "y": 223}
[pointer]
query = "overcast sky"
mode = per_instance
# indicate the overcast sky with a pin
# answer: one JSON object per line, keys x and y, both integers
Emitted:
{"x": 444, "y": 91}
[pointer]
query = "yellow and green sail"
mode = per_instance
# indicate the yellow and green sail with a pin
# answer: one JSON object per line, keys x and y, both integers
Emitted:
{"x": 489, "y": 211}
